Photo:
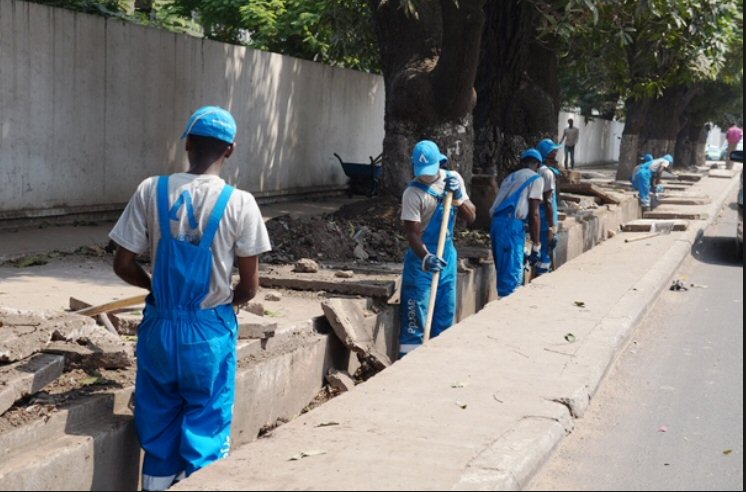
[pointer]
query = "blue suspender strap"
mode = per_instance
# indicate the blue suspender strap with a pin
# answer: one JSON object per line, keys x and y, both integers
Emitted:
{"x": 217, "y": 214}
{"x": 162, "y": 200}
{"x": 516, "y": 194}
{"x": 425, "y": 188}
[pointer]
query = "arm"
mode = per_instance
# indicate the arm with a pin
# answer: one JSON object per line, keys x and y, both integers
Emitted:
{"x": 534, "y": 220}
{"x": 564, "y": 134}
{"x": 248, "y": 280}
{"x": 549, "y": 203}
{"x": 414, "y": 238}
{"x": 129, "y": 270}
{"x": 467, "y": 212}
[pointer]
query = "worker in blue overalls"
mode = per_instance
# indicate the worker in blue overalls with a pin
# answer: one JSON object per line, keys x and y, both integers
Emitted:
{"x": 422, "y": 215}
{"x": 548, "y": 212}
{"x": 517, "y": 203}
{"x": 646, "y": 178}
{"x": 193, "y": 225}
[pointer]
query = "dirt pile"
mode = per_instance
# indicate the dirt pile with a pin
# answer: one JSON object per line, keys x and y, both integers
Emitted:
{"x": 369, "y": 230}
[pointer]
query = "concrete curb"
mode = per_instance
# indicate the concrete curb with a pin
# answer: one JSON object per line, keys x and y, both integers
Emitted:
{"x": 622, "y": 321}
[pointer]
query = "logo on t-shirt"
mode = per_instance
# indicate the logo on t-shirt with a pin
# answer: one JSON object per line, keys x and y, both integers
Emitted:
{"x": 185, "y": 200}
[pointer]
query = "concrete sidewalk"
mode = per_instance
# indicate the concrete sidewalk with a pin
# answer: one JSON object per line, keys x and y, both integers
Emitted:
{"x": 482, "y": 406}
{"x": 67, "y": 238}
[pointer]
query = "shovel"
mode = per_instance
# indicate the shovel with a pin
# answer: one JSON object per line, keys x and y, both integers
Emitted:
{"x": 661, "y": 228}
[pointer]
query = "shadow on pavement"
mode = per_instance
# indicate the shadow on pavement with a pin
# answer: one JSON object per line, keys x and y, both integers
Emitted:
{"x": 717, "y": 250}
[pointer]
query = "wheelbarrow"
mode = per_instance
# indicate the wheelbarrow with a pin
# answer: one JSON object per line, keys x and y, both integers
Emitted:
{"x": 364, "y": 178}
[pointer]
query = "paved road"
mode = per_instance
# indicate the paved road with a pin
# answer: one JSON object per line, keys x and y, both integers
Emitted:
{"x": 669, "y": 416}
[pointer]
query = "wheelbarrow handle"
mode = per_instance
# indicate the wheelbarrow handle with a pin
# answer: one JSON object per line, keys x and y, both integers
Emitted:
{"x": 340, "y": 159}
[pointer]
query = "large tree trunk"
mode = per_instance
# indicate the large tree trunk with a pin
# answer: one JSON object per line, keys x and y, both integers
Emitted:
{"x": 665, "y": 119}
{"x": 636, "y": 112}
{"x": 690, "y": 145}
{"x": 429, "y": 65}
{"x": 517, "y": 95}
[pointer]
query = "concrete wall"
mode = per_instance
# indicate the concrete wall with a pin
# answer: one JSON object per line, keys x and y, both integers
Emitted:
{"x": 599, "y": 139}
{"x": 90, "y": 106}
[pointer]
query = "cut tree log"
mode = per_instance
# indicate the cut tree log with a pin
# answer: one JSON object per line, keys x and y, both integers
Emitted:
{"x": 591, "y": 189}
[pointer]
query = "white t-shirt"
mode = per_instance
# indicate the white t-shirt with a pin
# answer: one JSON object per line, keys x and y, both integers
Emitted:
{"x": 419, "y": 206}
{"x": 241, "y": 232}
{"x": 657, "y": 164}
{"x": 547, "y": 176}
{"x": 571, "y": 135}
{"x": 511, "y": 184}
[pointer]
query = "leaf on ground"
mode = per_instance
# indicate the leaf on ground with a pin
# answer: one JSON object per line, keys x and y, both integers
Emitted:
{"x": 580, "y": 303}
{"x": 727, "y": 452}
{"x": 461, "y": 405}
{"x": 570, "y": 337}
{"x": 327, "y": 424}
{"x": 93, "y": 380}
{"x": 272, "y": 314}
{"x": 307, "y": 454}
{"x": 459, "y": 385}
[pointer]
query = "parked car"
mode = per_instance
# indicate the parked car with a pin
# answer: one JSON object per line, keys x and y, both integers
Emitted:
{"x": 715, "y": 153}
{"x": 737, "y": 156}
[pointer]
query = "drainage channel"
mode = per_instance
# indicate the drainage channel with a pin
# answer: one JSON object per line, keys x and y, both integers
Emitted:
{"x": 90, "y": 443}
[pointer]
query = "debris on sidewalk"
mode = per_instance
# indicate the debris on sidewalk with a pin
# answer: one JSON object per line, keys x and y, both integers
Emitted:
{"x": 580, "y": 304}
{"x": 252, "y": 326}
{"x": 272, "y": 297}
{"x": 570, "y": 337}
{"x": 663, "y": 428}
{"x": 461, "y": 405}
{"x": 356, "y": 330}
{"x": 698, "y": 286}
{"x": 307, "y": 454}
{"x": 26, "y": 377}
{"x": 344, "y": 274}
{"x": 678, "y": 285}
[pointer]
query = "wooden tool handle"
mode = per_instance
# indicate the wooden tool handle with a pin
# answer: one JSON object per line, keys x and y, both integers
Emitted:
{"x": 111, "y": 306}
{"x": 436, "y": 276}
{"x": 640, "y": 238}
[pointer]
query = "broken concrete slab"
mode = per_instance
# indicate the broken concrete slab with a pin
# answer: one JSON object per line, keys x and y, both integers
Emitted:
{"x": 21, "y": 335}
{"x": 272, "y": 297}
{"x": 674, "y": 214}
{"x": 355, "y": 329}
{"x": 344, "y": 274}
{"x": 604, "y": 194}
{"x": 721, "y": 173}
{"x": 681, "y": 200}
{"x": 92, "y": 355}
{"x": 252, "y": 326}
{"x": 254, "y": 307}
{"x": 369, "y": 288}
{"x": 26, "y": 377}
{"x": 340, "y": 380}
{"x": 584, "y": 202}
{"x": 647, "y": 225}
{"x": 691, "y": 177}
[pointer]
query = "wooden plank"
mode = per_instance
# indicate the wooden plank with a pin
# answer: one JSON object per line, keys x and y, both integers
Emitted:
{"x": 94, "y": 311}
{"x": 590, "y": 189}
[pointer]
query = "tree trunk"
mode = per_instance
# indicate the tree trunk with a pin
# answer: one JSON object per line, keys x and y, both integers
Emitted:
{"x": 665, "y": 119}
{"x": 690, "y": 145}
{"x": 429, "y": 65}
{"x": 517, "y": 96}
{"x": 636, "y": 111}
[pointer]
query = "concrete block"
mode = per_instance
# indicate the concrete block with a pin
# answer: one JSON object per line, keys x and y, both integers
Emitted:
{"x": 646, "y": 225}
{"x": 355, "y": 329}
{"x": 93, "y": 355}
{"x": 344, "y": 274}
{"x": 684, "y": 200}
{"x": 21, "y": 335}
{"x": 252, "y": 326}
{"x": 721, "y": 173}
{"x": 26, "y": 377}
{"x": 674, "y": 214}
{"x": 367, "y": 288}
{"x": 340, "y": 380}
{"x": 691, "y": 177}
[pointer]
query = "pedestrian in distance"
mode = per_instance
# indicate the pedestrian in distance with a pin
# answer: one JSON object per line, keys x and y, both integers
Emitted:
{"x": 517, "y": 204}
{"x": 646, "y": 179}
{"x": 422, "y": 215}
{"x": 193, "y": 225}
{"x": 733, "y": 136}
{"x": 570, "y": 137}
{"x": 549, "y": 214}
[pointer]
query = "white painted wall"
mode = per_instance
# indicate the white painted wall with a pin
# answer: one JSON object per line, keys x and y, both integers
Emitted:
{"x": 599, "y": 142}
{"x": 91, "y": 106}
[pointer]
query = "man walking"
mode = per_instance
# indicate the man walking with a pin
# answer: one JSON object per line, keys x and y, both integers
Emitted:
{"x": 517, "y": 203}
{"x": 422, "y": 216}
{"x": 570, "y": 137}
{"x": 193, "y": 225}
{"x": 733, "y": 136}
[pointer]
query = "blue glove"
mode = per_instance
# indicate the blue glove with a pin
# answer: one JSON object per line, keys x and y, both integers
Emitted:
{"x": 454, "y": 186}
{"x": 659, "y": 189}
{"x": 432, "y": 263}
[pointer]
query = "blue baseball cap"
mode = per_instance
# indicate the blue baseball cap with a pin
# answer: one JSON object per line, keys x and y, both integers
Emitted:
{"x": 668, "y": 158}
{"x": 531, "y": 154}
{"x": 212, "y": 121}
{"x": 426, "y": 158}
{"x": 546, "y": 147}
{"x": 647, "y": 158}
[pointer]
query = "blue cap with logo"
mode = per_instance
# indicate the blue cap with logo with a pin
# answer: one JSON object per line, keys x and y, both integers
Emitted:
{"x": 531, "y": 154}
{"x": 668, "y": 158}
{"x": 427, "y": 158}
{"x": 546, "y": 147}
{"x": 212, "y": 121}
{"x": 647, "y": 158}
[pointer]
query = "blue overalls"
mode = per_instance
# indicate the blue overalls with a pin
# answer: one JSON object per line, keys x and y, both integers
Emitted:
{"x": 186, "y": 356}
{"x": 508, "y": 235}
{"x": 545, "y": 255}
{"x": 642, "y": 178}
{"x": 416, "y": 283}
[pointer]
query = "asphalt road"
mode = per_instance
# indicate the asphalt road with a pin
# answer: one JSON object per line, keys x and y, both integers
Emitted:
{"x": 669, "y": 415}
